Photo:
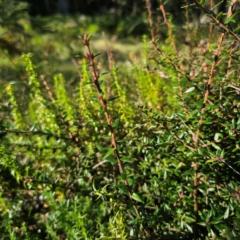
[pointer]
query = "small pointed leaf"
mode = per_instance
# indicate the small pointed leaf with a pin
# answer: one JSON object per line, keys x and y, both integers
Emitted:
{"x": 97, "y": 54}
{"x": 112, "y": 98}
{"x": 190, "y": 89}
{"x": 136, "y": 197}
{"x": 110, "y": 151}
{"x": 226, "y": 214}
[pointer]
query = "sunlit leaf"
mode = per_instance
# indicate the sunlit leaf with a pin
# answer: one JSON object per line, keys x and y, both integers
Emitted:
{"x": 230, "y": 19}
{"x": 190, "y": 90}
{"x": 216, "y": 146}
{"x": 136, "y": 197}
{"x": 109, "y": 152}
{"x": 226, "y": 214}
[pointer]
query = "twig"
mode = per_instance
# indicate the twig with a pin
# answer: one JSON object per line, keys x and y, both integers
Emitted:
{"x": 95, "y": 79}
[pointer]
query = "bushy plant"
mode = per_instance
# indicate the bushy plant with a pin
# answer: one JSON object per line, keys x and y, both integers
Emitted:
{"x": 150, "y": 151}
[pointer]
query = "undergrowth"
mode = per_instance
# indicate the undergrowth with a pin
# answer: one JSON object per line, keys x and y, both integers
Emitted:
{"x": 148, "y": 149}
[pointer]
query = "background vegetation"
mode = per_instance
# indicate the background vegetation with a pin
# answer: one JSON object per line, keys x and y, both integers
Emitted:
{"x": 115, "y": 137}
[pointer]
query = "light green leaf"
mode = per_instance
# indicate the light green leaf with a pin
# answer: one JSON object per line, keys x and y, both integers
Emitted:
{"x": 189, "y": 228}
{"x": 216, "y": 146}
{"x": 110, "y": 151}
{"x": 216, "y": 136}
{"x": 230, "y": 19}
{"x": 190, "y": 90}
{"x": 226, "y": 214}
{"x": 136, "y": 197}
{"x": 219, "y": 16}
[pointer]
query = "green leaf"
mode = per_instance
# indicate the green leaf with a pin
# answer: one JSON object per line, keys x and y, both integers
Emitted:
{"x": 200, "y": 152}
{"x": 230, "y": 190}
{"x": 124, "y": 176}
{"x": 237, "y": 29}
{"x": 116, "y": 123}
{"x": 219, "y": 16}
{"x": 97, "y": 54}
{"x": 189, "y": 228}
{"x": 202, "y": 224}
{"x": 216, "y": 146}
{"x": 165, "y": 174}
{"x": 130, "y": 181}
{"x": 226, "y": 214}
{"x": 203, "y": 191}
{"x": 136, "y": 197}
{"x": 190, "y": 90}
{"x": 112, "y": 98}
{"x": 216, "y": 136}
{"x": 202, "y": 2}
{"x": 89, "y": 37}
{"x": 216, "y": 5}
{"x": 111, "y": 160}
{"x": 110, "y": 151}
{"x": 126, "y": 159}
{"x": 210, "y": 160}
{"x": 211, "y": 189}
{"x": 230, "y": 19}
{"x": 104, "y": 73}
{"x": 123, "y": 189}
{"x": 190, "y": 5}
{"x": 217, "y": 220}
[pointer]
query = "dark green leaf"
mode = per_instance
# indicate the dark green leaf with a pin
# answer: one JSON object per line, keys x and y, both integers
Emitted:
{"x": 111, "y": 159}
{"x": 112, "y": 98}
{"x": 97, "y": 54}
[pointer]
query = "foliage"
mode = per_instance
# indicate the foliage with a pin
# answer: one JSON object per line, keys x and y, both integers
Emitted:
{"x": 11, "y": 28}
{"x": 143, "y": 149}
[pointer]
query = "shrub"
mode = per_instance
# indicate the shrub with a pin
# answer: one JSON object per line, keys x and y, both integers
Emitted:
{"x": 95, "y": 165}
